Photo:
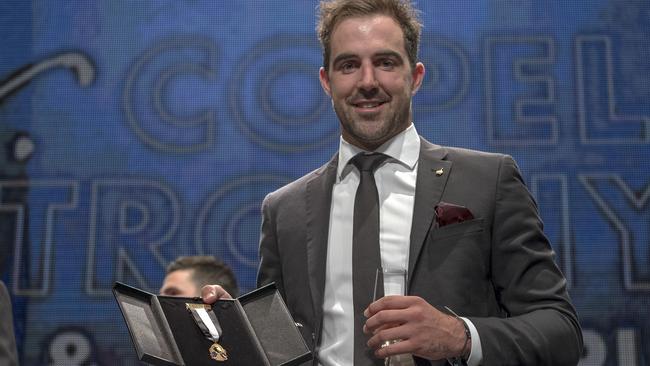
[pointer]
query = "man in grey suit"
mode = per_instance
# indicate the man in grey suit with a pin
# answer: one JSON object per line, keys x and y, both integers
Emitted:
{"x": 461, "y": 222}
{"x": 8, "y": 354}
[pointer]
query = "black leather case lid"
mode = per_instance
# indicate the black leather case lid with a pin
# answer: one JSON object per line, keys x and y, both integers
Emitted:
{"x": 277, "y": 332}
{"x": 145, "y": 321}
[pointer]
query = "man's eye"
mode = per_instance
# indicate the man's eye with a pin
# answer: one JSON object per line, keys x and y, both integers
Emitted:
{"x": 347, "y": 67}
{"x": 387, "y": 64}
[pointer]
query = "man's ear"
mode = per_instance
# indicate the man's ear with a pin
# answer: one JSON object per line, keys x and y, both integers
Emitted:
{"x": 324, "y": 81}
{"x": 418, "y": 77}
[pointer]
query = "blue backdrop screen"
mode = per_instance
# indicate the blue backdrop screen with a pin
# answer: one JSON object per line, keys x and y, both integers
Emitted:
{"x": 137, "y": 131}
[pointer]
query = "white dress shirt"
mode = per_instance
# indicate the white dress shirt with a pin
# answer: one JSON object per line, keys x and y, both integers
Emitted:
{"x": 395, "y": 181}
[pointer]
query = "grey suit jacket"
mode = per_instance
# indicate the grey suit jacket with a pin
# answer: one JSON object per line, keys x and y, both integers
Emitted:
{"x": 8, "y": 356}
{"x": 497, "y": 269}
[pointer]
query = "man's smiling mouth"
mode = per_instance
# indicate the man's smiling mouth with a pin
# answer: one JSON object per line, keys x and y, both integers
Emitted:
{"x": 368, "y": 104}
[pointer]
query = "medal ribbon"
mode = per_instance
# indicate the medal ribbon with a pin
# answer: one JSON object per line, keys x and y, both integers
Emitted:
{"x": 206, "y": 320}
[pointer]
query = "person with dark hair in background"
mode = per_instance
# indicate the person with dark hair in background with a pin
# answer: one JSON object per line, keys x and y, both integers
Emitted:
{"x": 8, "y": 353}
{"x": 187, "y": 275}
{"x": 461, "y": 222}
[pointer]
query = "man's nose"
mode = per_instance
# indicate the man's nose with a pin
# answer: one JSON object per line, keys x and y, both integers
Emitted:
{"x": 368, "y": 80}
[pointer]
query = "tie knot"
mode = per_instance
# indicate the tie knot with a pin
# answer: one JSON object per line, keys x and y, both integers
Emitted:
{"x": 368, "y": 162}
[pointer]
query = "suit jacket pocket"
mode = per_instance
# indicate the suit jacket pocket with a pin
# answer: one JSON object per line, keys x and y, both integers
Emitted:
{"x": 453, "y": 267}
{"x": 462, "y": 228}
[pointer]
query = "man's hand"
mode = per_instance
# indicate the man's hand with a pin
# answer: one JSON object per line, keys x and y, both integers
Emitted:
{"x": 211, "y": 293}
{"x": 423, "y": 330}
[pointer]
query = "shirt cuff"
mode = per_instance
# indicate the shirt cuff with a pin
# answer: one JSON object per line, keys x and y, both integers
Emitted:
{"x": 476, "y": 352}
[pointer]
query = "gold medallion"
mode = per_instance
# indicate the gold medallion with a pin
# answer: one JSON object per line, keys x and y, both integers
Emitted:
{"x": 218, "y": 353}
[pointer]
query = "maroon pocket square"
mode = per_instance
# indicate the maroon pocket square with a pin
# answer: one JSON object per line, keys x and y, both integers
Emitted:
{"x": 448, "y": 213}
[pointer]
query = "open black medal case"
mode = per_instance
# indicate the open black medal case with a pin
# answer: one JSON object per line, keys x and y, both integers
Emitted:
{"x": 257, "y": 329}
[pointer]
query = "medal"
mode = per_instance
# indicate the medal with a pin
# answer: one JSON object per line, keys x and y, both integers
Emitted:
{"x": 207, "y": 321}
{"x": 217, "y": 352}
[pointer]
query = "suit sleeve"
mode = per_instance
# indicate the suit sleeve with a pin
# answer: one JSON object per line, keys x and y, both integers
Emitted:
{"x": 8, "y": 355}
{"x": 540, "y": 326}
{"x": 269, "y": 268}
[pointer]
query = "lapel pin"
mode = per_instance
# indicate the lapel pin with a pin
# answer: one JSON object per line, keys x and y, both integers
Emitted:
{"x": 439, "y": 172}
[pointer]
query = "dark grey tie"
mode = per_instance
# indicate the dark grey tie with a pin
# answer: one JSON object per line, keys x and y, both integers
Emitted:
{"x": 366, "y": 256}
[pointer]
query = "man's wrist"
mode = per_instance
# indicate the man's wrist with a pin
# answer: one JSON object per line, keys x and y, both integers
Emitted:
{"x": 467, "y": 345}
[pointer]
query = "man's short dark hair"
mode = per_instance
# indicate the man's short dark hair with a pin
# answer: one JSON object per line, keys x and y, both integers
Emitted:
{"x": 207, "y": 270}
{"x": 332, "y": 12}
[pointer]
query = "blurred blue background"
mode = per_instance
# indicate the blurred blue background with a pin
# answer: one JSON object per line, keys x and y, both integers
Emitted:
{"x": 136, "y": 131}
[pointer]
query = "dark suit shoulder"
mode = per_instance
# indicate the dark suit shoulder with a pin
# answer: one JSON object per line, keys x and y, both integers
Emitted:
{"x": 463, "y": 153}
{"x": 453, "y": 153}
{"x": 292, "y": 188}
{"x": 296, "y": 187}
{"x": 480, "y": 163}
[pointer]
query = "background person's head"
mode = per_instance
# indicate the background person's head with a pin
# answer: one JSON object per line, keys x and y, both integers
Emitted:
{"x": 187, "y": 275}
{"x": 332, "y": 12}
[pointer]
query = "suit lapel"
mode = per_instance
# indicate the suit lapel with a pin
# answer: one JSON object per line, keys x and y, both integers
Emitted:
{"x": 319, "y": 201}
{"x": 433, "y": 173}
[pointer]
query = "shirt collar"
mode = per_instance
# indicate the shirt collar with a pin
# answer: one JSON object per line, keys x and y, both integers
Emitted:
{"x": 403, "y": 148}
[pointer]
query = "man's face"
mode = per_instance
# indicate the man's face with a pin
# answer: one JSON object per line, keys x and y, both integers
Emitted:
{"x": 370, "y": 80}
{"x": 180, "y": 283}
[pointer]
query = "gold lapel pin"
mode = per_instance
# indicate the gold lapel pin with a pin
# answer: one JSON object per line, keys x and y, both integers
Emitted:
{"x": 439, "y": 172}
